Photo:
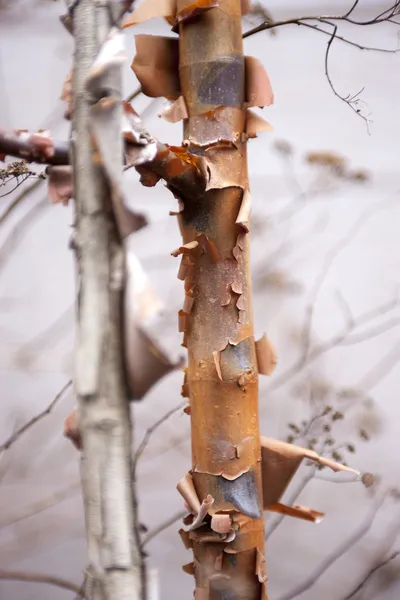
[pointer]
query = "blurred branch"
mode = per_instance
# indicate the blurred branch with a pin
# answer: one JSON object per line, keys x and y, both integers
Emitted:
{"x": 380, "y": 370}
{"x": 42, "y": 505}
{"x": 39, "y": 578}
{"x": 372, "y": 572}
{"x": 343, "y": 547}
{"x": 180, "y": 174}
{"x": 330, "y": 258}
{"x": 134, "y": 94}
{"x": 33, "y": 147}
{"x": 18, "y": 200}
{"x": 164, "y": 525}
{"x": 149, "y": 432}
{"x": 336, "y": 340}
{"x": 23, "y": 223}
{"x": 15, "y": 436}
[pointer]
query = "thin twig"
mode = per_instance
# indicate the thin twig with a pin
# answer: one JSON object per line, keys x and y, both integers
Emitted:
{"x": 15, "y": 436}
{"x": 149, "y": 432}
{"x": 352, "y": 101}
{"x": 380, "y": 370}
{"x": 371, "y": 572}
{"x": 343, "y": 547}
{"x": 39, "y": 578}
{"x": 329, "y": 260}
{"x": 134, "y": 94}
{"x": 40, "y": 506}
{"x": 335, "y": 341}
{"x": 16, "y": 233}
{"x": 323, "y": 18}
{"x": 331, "y": 21}
{"x": 164, "y": 525}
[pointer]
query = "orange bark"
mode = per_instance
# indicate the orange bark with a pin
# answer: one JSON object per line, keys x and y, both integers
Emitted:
{"x": 222, "y": 375}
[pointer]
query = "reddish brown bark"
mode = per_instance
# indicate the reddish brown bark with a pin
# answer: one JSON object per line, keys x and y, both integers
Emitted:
{"x": 222, "y": 376}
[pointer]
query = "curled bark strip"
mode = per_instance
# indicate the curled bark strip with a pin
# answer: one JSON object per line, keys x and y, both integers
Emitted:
{"x": 258, "y": 86}
{"x": 188, "y": 248}
{"x": 150, "y": 9}
{"x": 203, "y": 512}
{"x": 243, "y": 218}
{"x": 261, "y": 569}
{"x": 297, "y": 511}
{"x": 71, "y": 429}
{"x": 146, "y": 362}
{"x": 266, "y": 356}
{"x": 188, "y": 303}
{"x": 187, "y": 490}
{"x": 182, "y": 321}
{"x": 255, "y": 124}
{"x": 221, "y": 523}
{"x": 280, "y": 462}
{"x": 112, "y": 55}
{"x": 225, "y": 168}
{"x": 60, "y": 184}
{"x": 108, "y": 147}
{"x": 217, "y": 361}
{"x": 136, "y": 137}
{"x": 189, "y": 568}
{"x": 66, "y": 95}
{"x": 185, "y": 537}
{"x": 176, "y": 111}
{"x": 156, "y": 66}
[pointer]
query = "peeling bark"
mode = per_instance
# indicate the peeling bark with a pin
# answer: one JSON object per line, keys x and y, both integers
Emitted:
{"x": 222, "y": 376}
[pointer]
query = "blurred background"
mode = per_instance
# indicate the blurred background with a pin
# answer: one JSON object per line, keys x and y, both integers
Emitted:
{"x": 326, "y": 274}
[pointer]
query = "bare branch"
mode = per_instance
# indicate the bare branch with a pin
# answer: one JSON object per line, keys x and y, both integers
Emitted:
{"x": 15, "y": 436}
{"x": 381, "y": 370}
{"x": 39, "y": 507}
{"x": 15, "y": 235}
{"x": 149, "y": 432}
{"x": 164, "y": 525}
{"x": 39, "y": 578}
{"x": 386, "y": 16}
{"x": 332, "y": 21}
{"x": 330, "y": 258}
{"x": 372, "y": 571}
{"x": 33, "y": 147}
{"x": 134, "y": 94}
{"x": 180, "y": 175}
{"x": 369, "y": 334}
{"x": 338, "y": 340}
{"x": 343, "y": 547}
{"x": 18, "y": 200}
{"x": 353, "y": 101}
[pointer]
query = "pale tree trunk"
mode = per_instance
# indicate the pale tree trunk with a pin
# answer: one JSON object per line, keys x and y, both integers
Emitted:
{"x": 105, "y": 425}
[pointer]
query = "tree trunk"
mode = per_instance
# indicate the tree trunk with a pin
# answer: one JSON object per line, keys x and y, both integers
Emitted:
{"x": 105, "y": 427}
{"x": 222, "y": 376}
